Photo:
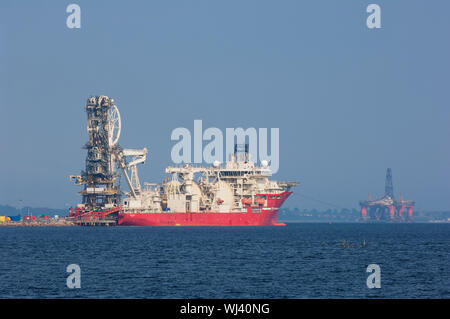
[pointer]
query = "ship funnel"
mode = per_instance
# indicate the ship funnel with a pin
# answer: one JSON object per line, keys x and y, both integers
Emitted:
{"x": 241, "y": 152}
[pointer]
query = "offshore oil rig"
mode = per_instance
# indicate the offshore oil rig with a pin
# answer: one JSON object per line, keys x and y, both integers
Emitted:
{"x": 387, "y": 208}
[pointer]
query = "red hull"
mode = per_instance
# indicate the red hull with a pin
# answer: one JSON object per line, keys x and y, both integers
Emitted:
{"x": 267, "y": 216}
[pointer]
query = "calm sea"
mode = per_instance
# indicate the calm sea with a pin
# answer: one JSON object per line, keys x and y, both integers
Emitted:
{"x": 296, "y": 261}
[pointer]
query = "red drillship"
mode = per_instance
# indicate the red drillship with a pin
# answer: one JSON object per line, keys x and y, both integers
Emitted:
{"x": 238, "y": 193}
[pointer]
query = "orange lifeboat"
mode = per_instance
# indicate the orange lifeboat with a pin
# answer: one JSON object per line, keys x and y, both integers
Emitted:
{"x": 247, "y": 201}
{"x": 260, "y": 201}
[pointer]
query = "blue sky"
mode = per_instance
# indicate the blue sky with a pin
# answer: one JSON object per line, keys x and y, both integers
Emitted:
{"x": 349, "y": 101}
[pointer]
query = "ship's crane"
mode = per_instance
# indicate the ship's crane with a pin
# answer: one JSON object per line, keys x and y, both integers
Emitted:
{"x": 126, "y": 159}
{"x": 137, "y": 156}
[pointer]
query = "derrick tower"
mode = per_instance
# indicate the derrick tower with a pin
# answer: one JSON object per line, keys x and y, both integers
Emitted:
{"x": 100, "y": 179}
{"x": 101, "y": 194}
{"x": 389, "y": 187}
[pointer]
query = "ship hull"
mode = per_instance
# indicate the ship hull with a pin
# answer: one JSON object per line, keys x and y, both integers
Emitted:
{"x": 254, "y": 216}
{"x": 266, "y": 218}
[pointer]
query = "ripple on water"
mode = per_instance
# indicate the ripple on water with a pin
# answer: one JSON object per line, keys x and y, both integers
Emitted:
{"x": 297, "y": 261}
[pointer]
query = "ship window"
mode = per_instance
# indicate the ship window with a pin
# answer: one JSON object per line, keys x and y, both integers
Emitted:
{"x": 272, "y": 197}
{"x": 256, "y": 210}
{"x": 278, "y": 197}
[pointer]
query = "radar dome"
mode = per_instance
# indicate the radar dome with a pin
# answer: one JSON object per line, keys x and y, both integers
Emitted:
{"x": 264, "y": 163}
{"x": 216, "y": 164}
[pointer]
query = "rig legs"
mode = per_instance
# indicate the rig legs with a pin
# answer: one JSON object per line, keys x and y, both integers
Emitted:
{"x": 388, "y": 212}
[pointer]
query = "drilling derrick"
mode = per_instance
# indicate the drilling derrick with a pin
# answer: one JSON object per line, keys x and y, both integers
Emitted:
{"x": 389, "y": 187}
{"x": 387, "y": 207}
{"x": 101, "y": 194}
{"x": 100, "y": 180}
{"x": 100, "y": 188}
